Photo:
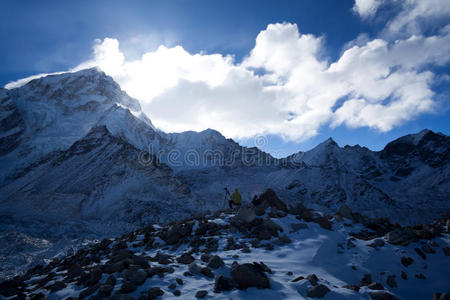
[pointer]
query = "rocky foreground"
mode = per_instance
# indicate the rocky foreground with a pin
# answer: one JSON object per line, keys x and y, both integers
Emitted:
{"x": 269, "y": 250}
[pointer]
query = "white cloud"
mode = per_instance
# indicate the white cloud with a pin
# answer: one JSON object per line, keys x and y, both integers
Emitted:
{"x": 379, "y": 83}
{"x": 411, "y": 17}
{"x": 366, "y": 8}
{"x": 415, "y": 15}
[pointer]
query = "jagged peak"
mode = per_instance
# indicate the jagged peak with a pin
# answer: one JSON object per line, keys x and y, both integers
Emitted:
{"x": 77, "y": 88}
{"x": 414, "y": 138}
{"x": 329, "y": 142}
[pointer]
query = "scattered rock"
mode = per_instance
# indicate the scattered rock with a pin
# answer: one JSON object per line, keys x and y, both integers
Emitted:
{"x": 441, "y": 296}
{"x": 121, "y": 297}
{"x": 159, "y": 271}
{"x": 391, "y": 281}
{"x": 345, "y": 212}
{"x": 406, "y": 261}
{"x": 283, "y": 240}
{"x": 312, "y": 278}
{"x": 127, "y": 287}
{"x": 323, "y": 222}
{"x": 93, "y": 277}
{"x": 185, "y": 258}
{"x": 154, "y": 293}
{"x": 205, "y": 257}
{"x": 207, "y": 272}
{"x": 74, "y": 270}
{"x": 263, "y": 267}
{"x": 104, "y": 290}
{"x": 375, "y": 286}
{"x": 222, "y": 283}
{"x": 318, "y": 291}
{"x": 421, "y": 254}
{"x": 215, "y": 262}
{"x": 401, "y": 236}
{"x": 420, "y": 276}
{"x": 138, "y": 277}
{"x": 351, "y": 287}
{"x": 120, "y": 255}
{"x": 426, "y": 248}
{"x": 177, "y": 232}
{"x": 111, "y": 268}
{"x": 446, "y": 250}
{"x": 269, "y": 198}
{"x": 172, "y": 286}
{"x": 88, "y": 291}
{"x": 179, "y": 281}
{"x": 366, "y": 280}
{"x": 403, "y": 275}
{"x": 246, "y": 250}
{"x": 383, "y": 295}
{"x": 249, "y": 275}
{"x": 245, "y": 214}
{"x": 58, "y": 285}
{"x": 350, "y": 244}
{"x": 297, "y": 279}
{"x": 377, "y": 243}
{"x": 177, "y": 293}
{"x": 194, "y": 268}
{"x": 201, "y": 294}
{"x": 111, "y": 280}
{"x": 162, "y": 259}
{"x": 434, "y": 244}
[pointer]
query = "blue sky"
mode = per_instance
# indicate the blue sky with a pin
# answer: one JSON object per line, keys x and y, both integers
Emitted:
{"x": 51, "y": 36}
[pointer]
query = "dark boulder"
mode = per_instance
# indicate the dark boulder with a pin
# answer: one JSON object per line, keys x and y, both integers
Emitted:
{"x": 382, "y": 295}
{"x": 222, "y": 283}
{"x": 318, "y": 291}
{"x": 406, "y": 261}
{"x": 215, "y": 262}
{"x": 249, "y": 275}
{"x": 323, "y": 222}
{"x": 269, "y": 198}
{"x": 312, "y": 278}
{"x": 201, "y": 294}
{"x": 127, "y": 287}
{"x": 58, "y": 285}
{"x": 185, "y": 258}
{"x": 401, "y": 236}
{"x": 375, "y": 286}
{"x": 153, "y": 293}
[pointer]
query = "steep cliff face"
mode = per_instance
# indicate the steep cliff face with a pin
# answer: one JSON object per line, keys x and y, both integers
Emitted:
{"x": 11, "y": 124}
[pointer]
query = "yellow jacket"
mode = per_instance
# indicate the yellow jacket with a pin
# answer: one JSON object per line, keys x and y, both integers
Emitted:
{"x": 236, "y": 197}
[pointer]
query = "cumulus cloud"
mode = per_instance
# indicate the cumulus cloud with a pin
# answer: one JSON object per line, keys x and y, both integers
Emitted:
{"x": 284, "y": 86}
{"x": 416, "y": 15}
{"x": 366, "y": 8}
{"x": 410, "y": 17}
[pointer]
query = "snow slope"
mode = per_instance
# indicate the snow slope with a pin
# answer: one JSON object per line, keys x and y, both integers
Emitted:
{"x": 336, "y": 258}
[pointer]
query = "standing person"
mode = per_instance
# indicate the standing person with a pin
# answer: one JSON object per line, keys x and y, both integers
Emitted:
{"x": 235, "y": 198}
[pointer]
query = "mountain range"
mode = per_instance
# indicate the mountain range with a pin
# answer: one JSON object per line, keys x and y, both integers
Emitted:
{"x": 79, "y": 159}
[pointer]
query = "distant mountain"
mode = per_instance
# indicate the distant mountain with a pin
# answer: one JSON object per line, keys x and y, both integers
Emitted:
{"x": 76, "y": 148}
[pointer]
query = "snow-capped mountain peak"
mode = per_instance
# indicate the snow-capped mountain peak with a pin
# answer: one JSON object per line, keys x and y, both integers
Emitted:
{"x": 57, "y": 110}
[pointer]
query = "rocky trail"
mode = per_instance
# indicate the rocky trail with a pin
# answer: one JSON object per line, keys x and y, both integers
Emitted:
{"x": 270, "y": 250}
